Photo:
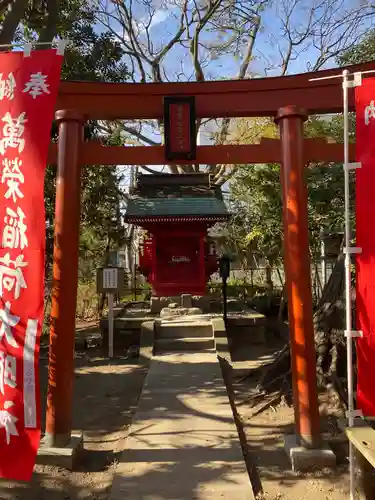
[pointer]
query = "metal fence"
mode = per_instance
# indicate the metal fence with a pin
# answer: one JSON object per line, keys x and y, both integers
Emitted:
{"x": 258, "y": 277}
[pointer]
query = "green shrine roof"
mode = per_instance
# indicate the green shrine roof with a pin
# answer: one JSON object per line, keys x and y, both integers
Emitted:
{"x": 166, "y": 197}
{"x": 176, "y": 206}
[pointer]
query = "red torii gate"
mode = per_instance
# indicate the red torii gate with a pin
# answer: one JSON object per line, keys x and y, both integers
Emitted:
{"x": 289, "y": 99}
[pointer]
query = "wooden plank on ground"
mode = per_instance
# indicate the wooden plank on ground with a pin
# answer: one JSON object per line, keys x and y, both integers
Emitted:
{"x": 363, "y": 438}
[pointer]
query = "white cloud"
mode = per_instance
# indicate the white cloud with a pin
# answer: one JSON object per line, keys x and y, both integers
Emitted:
{"x": 159, "y": 17}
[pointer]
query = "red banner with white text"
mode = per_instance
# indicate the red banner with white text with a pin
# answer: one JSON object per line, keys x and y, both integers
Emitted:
{"x": 28, "y": 92}
{"x": 365, "y": 239}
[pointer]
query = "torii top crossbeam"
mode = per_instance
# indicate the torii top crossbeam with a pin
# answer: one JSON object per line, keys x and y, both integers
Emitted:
{"x": 230, "y": 98}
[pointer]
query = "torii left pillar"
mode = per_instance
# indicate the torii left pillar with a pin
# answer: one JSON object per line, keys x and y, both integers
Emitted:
{"x": 64, "y": 289}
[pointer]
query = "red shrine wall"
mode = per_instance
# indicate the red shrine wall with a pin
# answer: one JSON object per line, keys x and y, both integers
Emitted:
{"x": 176, "y": 261}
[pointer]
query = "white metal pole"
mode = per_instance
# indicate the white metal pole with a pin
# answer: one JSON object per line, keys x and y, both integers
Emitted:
{"x": 348, "y": 288}
{"x": 323, "y": 261}
{"x": 110, "y": 325}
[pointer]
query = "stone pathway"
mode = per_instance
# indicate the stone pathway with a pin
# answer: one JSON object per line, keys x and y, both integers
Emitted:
{"x": 183, "y": 442}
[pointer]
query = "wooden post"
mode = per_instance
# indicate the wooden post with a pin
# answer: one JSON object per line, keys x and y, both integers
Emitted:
{"x": 298, "y": 276}
{"x": 110, "y": 325}
{"x": 364, "y": 477}
{"x": 202, "y": 260}
{"x": 65, "y": 274}
{"x": 323, "y": 258}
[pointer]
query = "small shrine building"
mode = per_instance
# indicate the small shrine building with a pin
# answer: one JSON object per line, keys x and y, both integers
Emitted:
{"x": 176, "y": 211}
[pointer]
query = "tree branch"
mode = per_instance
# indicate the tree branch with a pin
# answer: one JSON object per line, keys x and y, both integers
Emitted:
{"x": 194, "y": 44}
{"x": 16, "y": 12}
{"x": 50, "y": 30}
{"x": 218, "y": 172}
{"x": 3, "y": 5}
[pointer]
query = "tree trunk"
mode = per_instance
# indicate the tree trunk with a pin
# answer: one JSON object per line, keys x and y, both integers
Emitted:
{"x": 16, "y": 12}
{"x": 50, "y": 30}
{"x": 269, "y": 283}
{"x": 282, "y": 305}
{"x": 329, "y": 326}
{"x": 103, "y": 296}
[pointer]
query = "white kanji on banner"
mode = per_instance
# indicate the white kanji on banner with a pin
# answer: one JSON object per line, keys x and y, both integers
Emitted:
{"x": 8, "y": 421}
{"x": 14, "y": 234}
{"x": 8, "y": 371}
{"x": 370, "y": 112}
{"x": 7, "y": 322}
{"x": 37, "y": 85}
{"x": 12, "y": 133}
{"x": 11, "y": 275}
{"x": 13, "y": 178}
{"x": 7, "y": 87}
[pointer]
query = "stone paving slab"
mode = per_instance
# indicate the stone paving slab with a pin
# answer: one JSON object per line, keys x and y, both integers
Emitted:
{"x": 186, "y": 383}
{"x": 183, "y": 444}
{"x": 169, "y": 421}
{"x": 183, "y": 403}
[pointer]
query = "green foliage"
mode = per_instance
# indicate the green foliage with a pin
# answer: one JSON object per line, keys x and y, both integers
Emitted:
{"x": 256, "y": 205}
{"x": 256, "y": 200}
{"x": 92, "y": 57}
{"x": 101, "y": 221}
{"x": 361, "y": 52}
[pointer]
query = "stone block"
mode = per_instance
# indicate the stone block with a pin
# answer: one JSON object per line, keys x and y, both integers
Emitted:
{"x": 158, "y": 303}
{"x": 257, "y": 334}
{"x": 186, "y": 301}
{"x": 147, "y": 341}
{"x": 202, "y": 302}
{"x": 66, "y": 457}
{"x": 221, "y": 338}
{"x": 175, "y": 312}
{"x": 155, "y": 305}
{"x": 308, "y": 459}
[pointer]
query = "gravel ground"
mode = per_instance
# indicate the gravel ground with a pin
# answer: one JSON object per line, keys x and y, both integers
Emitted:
{"x": 105, "y": 396}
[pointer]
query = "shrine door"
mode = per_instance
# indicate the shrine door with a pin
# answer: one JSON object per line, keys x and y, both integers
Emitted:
{"x": 179, "y": 264}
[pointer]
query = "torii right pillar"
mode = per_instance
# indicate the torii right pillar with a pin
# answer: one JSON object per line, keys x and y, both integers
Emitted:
{"x": 305, "y": 447}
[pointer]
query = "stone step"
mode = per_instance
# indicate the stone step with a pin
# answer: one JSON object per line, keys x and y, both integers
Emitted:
{"x": 184, "y": 330}
{"x": 184, "y": 344}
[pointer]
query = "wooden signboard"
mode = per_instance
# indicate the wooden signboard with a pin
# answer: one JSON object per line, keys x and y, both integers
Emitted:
{"x": 333, "y": 243}
{"x": 110, "y": 280}
{"x": 180, "y": 135}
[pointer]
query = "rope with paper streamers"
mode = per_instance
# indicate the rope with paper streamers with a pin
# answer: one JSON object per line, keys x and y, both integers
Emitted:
{"x": 27, "y": 47}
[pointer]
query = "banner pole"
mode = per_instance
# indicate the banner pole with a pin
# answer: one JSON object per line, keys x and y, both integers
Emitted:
{"x": 349, "y": 251}
{"x": 348, "y": 290}
{"x": 347, "y": 246}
